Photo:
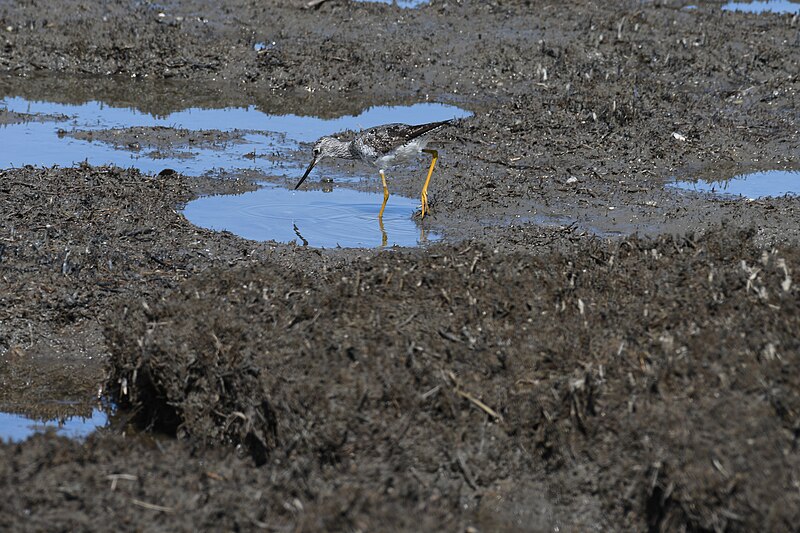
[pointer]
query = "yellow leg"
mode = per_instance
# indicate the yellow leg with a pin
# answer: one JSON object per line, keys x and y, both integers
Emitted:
{"x": 424, "y": 194}
{"x": 385, "y": 196}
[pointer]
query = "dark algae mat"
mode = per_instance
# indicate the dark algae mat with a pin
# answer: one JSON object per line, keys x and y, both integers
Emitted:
{"x": 586, "y": 348}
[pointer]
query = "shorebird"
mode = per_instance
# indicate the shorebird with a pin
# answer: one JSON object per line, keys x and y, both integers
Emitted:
{"x": 382, "y": 146}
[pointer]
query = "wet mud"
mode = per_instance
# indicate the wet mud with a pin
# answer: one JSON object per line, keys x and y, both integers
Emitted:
{"x": 159, "y": 139}
{"x": 11, "y": 117}
{"x": 586, "y": 349}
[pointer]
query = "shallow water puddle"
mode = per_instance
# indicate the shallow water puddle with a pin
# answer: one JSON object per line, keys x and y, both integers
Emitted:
{"x": 769, "y": 183}
{"x": 239, "y": 138}
{"x": 408, "y": 4}
{"x": 39, "y": 143}
{"x": 337, "y": 218}
{"x": 765, "y": 6}
{"x": 15, "y": 427}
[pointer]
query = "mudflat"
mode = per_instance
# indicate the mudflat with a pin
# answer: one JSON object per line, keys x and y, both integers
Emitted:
{"x": 586, "y": 347}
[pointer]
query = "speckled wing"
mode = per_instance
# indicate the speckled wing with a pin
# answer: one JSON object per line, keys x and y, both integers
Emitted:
{"x": 381, "y": 140}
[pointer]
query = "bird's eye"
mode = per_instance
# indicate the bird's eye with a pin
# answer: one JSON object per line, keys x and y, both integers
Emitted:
{"x": 316, "y": 151}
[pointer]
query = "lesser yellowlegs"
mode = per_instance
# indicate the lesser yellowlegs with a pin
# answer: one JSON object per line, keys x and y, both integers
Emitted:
{"x": 382, "y": 146}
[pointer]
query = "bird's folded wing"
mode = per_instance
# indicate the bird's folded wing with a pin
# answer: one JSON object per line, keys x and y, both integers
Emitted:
{"x": 386, "y": 138}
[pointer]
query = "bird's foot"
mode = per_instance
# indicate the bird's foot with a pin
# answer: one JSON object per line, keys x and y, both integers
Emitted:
{"x": 424, "y": 208}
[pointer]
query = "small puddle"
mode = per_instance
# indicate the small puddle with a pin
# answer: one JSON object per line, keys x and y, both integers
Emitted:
{"x": 339, "y": 217}
{"x": 263, "y": 47}
{"x": 769, "y": 183}
{"x": 16, "y": 428}
{"x": 408, "y": 4}
{"x": 765, "y": 6}
{"x": 199, "y": 141}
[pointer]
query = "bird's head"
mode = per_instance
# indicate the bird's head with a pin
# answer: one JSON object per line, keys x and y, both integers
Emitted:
{"x": 325, "y": 147}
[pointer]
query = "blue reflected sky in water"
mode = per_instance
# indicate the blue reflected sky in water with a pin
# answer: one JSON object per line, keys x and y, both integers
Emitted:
{"x": 16, "y": 428}
{"x": 768, "y": 183}
{"x": 340, "y": 218}
{"x": 407, "y": 4}
{"x": 768, "y": 6}
{"x": 38, "y": 143}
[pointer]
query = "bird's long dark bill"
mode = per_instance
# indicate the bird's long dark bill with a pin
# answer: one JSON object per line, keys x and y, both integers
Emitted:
{"x": 308, "y": 171}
